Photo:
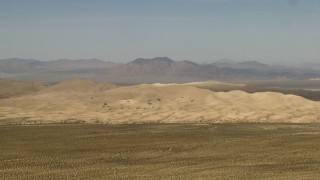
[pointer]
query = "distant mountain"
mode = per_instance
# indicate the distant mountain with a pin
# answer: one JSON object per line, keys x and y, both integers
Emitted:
{"x": 66, "y": 64}
{"x": 312, "y": 66}
{"x": 163, "y": 69}
{"x": 16, "y": 65}
{"x": 225, "y": 61}
{"x": 160, "y": 69}
{"x": 142, "y": 61}
{"x": 141, "y": 70}
{"x": 242, "y": 65}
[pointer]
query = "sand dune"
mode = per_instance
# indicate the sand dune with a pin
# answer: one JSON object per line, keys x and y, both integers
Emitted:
{"x": 81, "y": 100}
{"x": 11, "y": 88}
{"x": 81, "y": 85}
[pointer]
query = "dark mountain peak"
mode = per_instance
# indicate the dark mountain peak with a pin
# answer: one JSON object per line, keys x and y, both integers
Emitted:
{"x": 165, "y": 59}
{"x": 141, "y": 61}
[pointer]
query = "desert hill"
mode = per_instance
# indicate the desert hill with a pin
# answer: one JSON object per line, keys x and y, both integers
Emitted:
{"x": 79, "y": 101}
{"x": 79, "y": 84}
{"x": 226, "y": 87}
{"x": 11, "y": 88}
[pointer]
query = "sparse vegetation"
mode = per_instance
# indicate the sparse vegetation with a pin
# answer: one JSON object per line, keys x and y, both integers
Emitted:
{"x": 160, "y": 151}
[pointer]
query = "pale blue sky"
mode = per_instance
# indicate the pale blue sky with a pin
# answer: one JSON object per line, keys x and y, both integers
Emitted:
{"x": 199, "y": 30}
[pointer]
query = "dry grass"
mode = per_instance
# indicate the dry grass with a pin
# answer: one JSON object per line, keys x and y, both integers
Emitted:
{"x": 160, "y": 151}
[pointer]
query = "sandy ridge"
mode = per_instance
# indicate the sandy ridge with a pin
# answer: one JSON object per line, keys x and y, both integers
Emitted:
{"x": 81, "y": 100}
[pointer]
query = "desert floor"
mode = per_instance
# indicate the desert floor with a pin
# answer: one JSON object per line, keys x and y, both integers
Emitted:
{"x": 160, "y": 151}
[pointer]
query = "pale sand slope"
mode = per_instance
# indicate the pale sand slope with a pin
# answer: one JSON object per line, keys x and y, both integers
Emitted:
{"x": 104, "y": 103}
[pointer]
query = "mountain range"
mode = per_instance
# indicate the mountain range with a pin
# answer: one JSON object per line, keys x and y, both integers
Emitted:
{"x": 158, "y": 69}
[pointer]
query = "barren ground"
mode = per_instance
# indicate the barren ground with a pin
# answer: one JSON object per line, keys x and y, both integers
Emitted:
{"x": 160, "y": 151}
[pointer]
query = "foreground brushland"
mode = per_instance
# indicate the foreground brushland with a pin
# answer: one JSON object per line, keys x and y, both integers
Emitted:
{"x": 160, "y": 151}
{"x": 84, "y": 101}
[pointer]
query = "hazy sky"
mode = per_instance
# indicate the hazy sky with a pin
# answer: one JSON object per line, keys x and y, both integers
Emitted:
{"x": 199, "y": 30}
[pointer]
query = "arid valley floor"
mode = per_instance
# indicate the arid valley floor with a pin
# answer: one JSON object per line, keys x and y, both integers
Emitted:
{"x": 160, "y": 151}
